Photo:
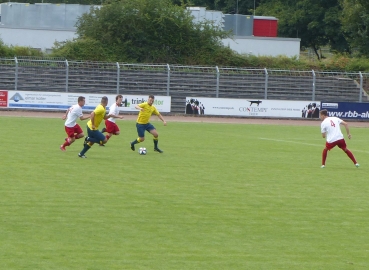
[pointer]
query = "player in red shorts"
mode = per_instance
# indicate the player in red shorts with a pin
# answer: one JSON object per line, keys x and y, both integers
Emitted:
{"x": 72, "y": 129}
{"x": 110, "y": 126}
{"x": 331, "y": 130}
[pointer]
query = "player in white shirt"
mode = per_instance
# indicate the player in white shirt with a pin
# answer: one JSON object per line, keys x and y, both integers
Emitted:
{"x": 331, "y": 130}
{"x": 72, "y": 129}
{"x": 110, "y": 126}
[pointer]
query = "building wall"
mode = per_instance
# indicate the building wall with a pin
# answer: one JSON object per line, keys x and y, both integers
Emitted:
{"x": 264, "y": 46}
{"x": 35, "y": 38}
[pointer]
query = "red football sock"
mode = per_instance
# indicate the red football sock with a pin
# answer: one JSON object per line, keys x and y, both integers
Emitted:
{"x": 66, "y": 143}
{"x": 108, "y": 137}
{"x": 324, "y": 155}
{"x": 351, "y": 156}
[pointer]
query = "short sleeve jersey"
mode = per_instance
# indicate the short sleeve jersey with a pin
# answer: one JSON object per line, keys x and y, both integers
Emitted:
{"x": 114, "y": 109}
{"x": 331, "y": 126}
{"x": 99, "y": 116}
{"x": 74, "y": 113}
{"x": 144, "y": 116}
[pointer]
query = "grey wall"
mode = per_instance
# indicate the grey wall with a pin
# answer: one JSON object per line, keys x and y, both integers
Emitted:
{"x": 41, "y": 16}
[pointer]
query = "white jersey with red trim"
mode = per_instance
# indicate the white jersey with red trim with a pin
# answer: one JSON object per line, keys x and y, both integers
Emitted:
{"x": 331, "y": 126}
{"x": 74, "y": 113}
{"x": 114, "y": 109}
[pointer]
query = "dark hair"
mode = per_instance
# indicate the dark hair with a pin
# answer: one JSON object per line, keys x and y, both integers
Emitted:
{"x": 152, "y": 96}
{"x": 80, "y": 98}
{"x": 104, "y": 99}
{"x": 324, "y": 112}
{"x": 118, "y": 96}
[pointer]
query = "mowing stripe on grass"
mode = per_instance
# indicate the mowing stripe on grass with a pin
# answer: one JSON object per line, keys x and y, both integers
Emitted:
{"x": 310, "y": 144}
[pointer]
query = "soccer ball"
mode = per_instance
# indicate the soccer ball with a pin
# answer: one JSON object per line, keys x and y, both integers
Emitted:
{"x": 142, "y": 151}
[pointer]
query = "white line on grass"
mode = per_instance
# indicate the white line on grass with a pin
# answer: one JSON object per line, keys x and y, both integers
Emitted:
{"x": 310, "y": 144}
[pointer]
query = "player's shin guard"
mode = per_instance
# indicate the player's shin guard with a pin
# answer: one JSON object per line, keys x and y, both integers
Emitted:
{"x": 324, "y": 155}
{"x": 351, "y": 156}
{"x": 156, "y": 140}
{"x": 136, "y": 141}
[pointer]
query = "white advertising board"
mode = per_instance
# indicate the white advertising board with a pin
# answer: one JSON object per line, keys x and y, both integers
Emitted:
{"x": 62, "y": 101}
{"x": 251, "y": 107}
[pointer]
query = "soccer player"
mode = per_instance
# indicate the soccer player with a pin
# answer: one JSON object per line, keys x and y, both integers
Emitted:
{"x": 330, "y": 128}
{"x": 111, "y": 127}
{"x": 142, "y": 124}
{"x": 93, "y": 133}
{"x": 72, "y": 129}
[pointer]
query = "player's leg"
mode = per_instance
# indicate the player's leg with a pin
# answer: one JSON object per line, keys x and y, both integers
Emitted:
{"x": 154, "y": 133}
{"x": 78, "y": 132}
{"x": 342, "y": 144}
{"x": 69, "y": 140}
{"x": 324, "y": 156}
{"x": 328, "y": 146}
{"x": 88, "y": 143}
{"x": 112, "y": 129}
{"x": 141, "y": 135}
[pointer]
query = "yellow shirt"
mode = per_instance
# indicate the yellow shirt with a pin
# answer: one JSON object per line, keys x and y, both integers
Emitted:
{"x": 99, "y": 116}
{"x": 144, "y": 116}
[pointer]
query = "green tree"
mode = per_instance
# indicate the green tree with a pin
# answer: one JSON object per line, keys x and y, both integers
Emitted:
{"x": 316, "y": 22}
{"x": 146, "y": 31}
{"x": 355, "y": 22}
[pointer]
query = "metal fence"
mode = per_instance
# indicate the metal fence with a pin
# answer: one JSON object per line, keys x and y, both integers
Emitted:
{"x": 179, "y": 82}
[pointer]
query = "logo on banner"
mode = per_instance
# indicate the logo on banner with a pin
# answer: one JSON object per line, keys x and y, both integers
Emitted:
{"x": 16, "y": 97}
{"x": 254, "y": 111}
{"x": 330, "y": 105}
{"x": 125, "y": 103}
{"x": 257, "y": 102}
{"x": 3, "y": 98}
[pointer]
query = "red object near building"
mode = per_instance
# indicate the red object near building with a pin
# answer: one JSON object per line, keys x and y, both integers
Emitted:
{"x": 265, "y": 26}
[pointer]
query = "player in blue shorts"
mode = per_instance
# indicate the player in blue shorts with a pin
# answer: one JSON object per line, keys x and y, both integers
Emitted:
{"x": 143, "y": 124}
{"x": 94, "y": 135}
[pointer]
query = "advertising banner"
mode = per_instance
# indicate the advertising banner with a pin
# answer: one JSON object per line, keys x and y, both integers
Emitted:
{"x": 62, "y": 101}
{"x": 252, "y": 107}
{"x": 3, "y": 98}
{"x": 347, "y": 110}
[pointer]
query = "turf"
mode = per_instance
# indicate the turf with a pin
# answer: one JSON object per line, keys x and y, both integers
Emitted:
{"x": 221, "y": 196}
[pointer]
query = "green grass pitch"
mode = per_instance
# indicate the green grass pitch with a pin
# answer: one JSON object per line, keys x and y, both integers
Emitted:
{"x": 221, "y": 196}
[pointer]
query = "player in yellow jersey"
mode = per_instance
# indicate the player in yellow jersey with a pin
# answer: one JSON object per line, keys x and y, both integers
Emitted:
{"x": 94, "y": 135}
{"x": 143, "y": 122}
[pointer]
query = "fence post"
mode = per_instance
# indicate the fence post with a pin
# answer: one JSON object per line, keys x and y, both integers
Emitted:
{"x": 168, "y": 79}
{"x": 314, "y": 80}
{"x": 266, "y": 84}
{"x": 66, "y": 75}
{"x": 118, "y": 77}
{"x": 361, "y": 87}
{"x": 218, "y": 76}
{"x": 16, "y": 74}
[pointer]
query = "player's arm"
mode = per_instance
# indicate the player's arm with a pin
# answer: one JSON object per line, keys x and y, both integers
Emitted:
{"x": 162, "y": 119}
{"x": 66, "y": 114}
{"x": 93, "y": 120}
{"x": 138, "y": 107}
{"x": 347, "y": 129}
{"x": 85, "y": 117}
{"x": 323, "y": 131}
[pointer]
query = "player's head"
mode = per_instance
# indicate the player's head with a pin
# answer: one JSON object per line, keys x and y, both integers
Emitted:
{"x": 151, "y": 99}
{"x": 118, "y": 99}
{"x": 323, "y": 114}
{"x": 81, "y": 101}
{"x": 104, "y": 101}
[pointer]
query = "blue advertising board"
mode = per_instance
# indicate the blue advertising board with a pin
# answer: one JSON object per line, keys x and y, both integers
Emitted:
{"x": 347, "y": 110}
